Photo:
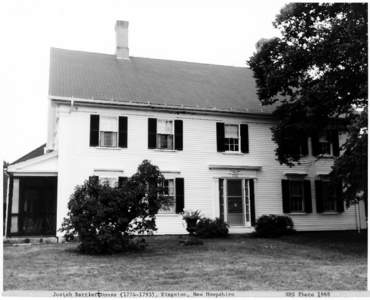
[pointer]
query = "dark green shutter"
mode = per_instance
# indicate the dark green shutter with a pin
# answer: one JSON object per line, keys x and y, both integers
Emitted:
{"x": 94, "y": 179}
{"x": 122, "y": 132}
{"x": 319, "y": 200}
{"x": 307, "y": 196}
{"x": 285, "y": 193}
{"x": 221, "y": 197}
{"x": 315, "y": 145}
{"x": 152, "y": 133}
{"x": 121, "y": 181}
{"x": 94, "y": 130}
{"x": 179, "y": 186}
{"x": 252, "y": 202}
{"x": 244, "y": 136}
{"x": 178, "y": 135}
{"x": 340, "y": 201}
{"x": 220, "y": 134}
{"x": 334, "y": 139}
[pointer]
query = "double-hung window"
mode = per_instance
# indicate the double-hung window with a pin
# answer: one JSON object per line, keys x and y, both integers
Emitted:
{"x": 108, "y": 132}
{"x": 169, "y": 193}
{"x": 324, "y": 145}
{"x": 231, "y": 138}
{"x": 328, "y": 195}
{"x": 165, "y": 133}
{"x": 296, "y": 195}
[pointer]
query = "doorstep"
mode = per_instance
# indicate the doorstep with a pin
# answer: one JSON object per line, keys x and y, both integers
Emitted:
{"x": 240, "y": 229}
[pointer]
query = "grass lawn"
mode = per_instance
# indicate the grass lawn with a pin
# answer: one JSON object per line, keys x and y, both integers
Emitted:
{"x": 305, "y": 261}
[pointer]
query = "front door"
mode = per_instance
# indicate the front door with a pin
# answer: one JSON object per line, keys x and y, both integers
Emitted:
{"x": 234, "y": 201}
{"x": 235, "y": 210}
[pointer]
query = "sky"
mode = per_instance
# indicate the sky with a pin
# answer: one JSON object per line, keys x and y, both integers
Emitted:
{"x": 207, "y": 31}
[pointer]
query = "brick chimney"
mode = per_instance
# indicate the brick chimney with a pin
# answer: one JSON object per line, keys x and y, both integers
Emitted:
{"x": 122, "y": 40}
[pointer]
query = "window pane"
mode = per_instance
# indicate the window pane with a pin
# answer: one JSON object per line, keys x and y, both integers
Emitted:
{"x": 234, "y": 204}
{"x": 169, "y": 187}
{"x": 234, "y": 188}
{"x": 108, "y": 124}
{"x": 108, "y": 139}
{"x": 324, "y": 145}
{"x": 165, "y": 141}
{"x": 296, "y": 188}
{"x": 232, "y": 131}
{"x": 111, "y": 181}
{"x": 231, "y": 144}
{"x": 169, "y": 193}
{"x": 164, "y": 127}
{"x": 296, "y": 196}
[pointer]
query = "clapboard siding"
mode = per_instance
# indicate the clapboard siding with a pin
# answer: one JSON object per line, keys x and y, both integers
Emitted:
{"x": 77, "y": 161}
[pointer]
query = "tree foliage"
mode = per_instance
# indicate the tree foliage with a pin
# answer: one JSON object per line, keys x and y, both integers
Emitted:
{"x": 105, "y": 218}
{"x": 316, "y": 75}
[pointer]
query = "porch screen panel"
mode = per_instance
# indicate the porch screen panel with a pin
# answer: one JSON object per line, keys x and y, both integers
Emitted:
{"x": 15, "y": 199}
{"x": 14, "y": 224}
{"x": 221, "y": 198}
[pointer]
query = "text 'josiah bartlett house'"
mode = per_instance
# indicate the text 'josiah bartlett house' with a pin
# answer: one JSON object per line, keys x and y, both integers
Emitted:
{"x": 201, "y": 124}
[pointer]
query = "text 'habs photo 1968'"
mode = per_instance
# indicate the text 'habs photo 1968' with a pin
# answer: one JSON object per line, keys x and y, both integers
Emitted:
{"x": 184, "y": 149}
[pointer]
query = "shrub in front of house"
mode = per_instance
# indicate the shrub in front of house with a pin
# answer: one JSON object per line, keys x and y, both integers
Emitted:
{"x": 191, "y": 218}
{"x": 107, "y": 219}
{"x": 208, "y": 228}
{"x": 273, "y": 226}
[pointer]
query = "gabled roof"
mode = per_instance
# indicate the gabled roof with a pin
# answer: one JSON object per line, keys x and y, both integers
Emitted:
{"x": 144, "y": 80}
{"x": 34, "y": 153}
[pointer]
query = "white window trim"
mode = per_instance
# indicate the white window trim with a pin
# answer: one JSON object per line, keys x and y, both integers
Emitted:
{"x": 239, "y": 141}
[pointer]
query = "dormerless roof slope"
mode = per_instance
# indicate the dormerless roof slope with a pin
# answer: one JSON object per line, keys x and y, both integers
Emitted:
{"x": 98, "y": 76}
{"x": 34, "y": 153}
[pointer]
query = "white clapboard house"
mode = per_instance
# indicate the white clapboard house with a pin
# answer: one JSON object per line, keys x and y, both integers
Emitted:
{"x": 203, "y": 126}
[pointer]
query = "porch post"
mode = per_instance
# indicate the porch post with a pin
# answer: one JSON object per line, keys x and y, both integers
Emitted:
{"x": 9, "y": 201}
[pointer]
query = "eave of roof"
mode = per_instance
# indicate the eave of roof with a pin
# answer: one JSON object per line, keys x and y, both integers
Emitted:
{"x": 131, "y": 105}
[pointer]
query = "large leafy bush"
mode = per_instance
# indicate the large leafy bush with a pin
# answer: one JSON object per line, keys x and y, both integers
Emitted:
{"x": 106, "y": 218}
{"x": 208, "y": 228}
{"x": 273, "y": 226}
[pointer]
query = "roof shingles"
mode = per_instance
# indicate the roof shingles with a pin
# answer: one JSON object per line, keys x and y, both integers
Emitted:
{"x": 103, "y": 77}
